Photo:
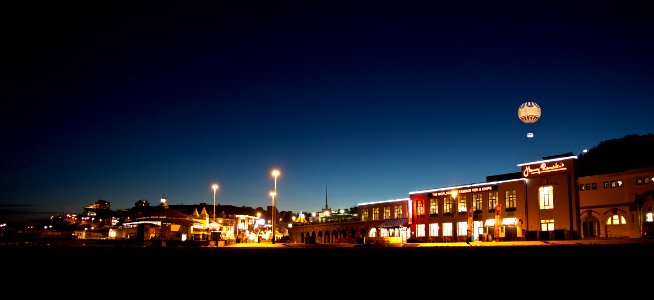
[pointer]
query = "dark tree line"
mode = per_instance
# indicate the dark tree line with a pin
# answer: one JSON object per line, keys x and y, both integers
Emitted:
{"x": 616, "y": 155}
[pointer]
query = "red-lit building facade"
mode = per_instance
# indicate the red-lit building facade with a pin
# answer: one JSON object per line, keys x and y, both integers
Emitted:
{"x": 447, "y": 214}
{"x": 544, "y": 200}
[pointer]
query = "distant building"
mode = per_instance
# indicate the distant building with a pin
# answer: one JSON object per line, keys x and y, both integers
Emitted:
{"x": 617, "y": 204}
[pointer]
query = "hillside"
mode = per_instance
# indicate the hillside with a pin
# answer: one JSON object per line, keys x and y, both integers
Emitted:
{"x": 629, "y": 152}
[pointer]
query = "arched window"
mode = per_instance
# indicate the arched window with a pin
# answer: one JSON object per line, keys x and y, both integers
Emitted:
{"x": 372, "y": 232}
{"x": 616, "y": 219}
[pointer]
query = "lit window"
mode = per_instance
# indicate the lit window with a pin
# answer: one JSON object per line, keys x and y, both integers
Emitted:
{"x": 510, "y": 199}
{"x": 420, "y": 230}
{"x": 546, "y": 197}
{"x": 463, "y": 207}
{"x": 372, "y": 233}
{"x": 433, "y": 229}
{"x": 492, "y": 200}
{"x": 462, "y": 229}
{"x": 479, "y": 225}
{"x": 420, "y": 208}
{"x": 447, "y": 229}
{"x": 547, "y": 225}
{"x": 387, "y": 213}
{"x": 433, "y": 206}
{"x": 477, "y": 201}
{"x": 616, "y": 220}
{"x": 447, "y": 207}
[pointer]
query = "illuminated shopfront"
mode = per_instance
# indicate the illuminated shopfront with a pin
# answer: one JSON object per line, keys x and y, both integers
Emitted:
{"x": 537, "y": 203}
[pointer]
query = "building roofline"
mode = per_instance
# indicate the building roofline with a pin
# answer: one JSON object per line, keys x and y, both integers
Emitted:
{"x": 547, "y": 160}
{"x": 383, "y": 201}
{"x": 465, "y": 186}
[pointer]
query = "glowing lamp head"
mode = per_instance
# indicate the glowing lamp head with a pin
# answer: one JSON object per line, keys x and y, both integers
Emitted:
{"x": 215, "y": 187}
{"x": 275, "y": 173}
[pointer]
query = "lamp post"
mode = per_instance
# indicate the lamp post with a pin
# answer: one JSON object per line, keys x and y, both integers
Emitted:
{"x": 454, "y": 213}
{"x": 215, "y": 188}
{"x": 274, "y": 173}
{"x": 273, "y": 194}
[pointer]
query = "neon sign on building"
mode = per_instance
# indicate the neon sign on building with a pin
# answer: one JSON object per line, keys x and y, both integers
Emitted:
{"x": 543, "y": 168}
{"x": 465, "y": 190}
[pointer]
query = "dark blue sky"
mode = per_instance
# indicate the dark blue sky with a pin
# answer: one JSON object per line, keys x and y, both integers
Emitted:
{"x": 373, "y": 100}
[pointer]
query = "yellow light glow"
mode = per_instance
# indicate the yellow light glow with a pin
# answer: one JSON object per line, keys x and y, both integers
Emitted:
{"x": 275, "y": 173}
{"x": 454, "y": 193}
{"x": 215, "y": 187}
{"x": 272, "y": 194}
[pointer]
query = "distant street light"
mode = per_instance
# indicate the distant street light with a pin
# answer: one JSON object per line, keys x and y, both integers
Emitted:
{"x": 274, "y": 173}
{"x": 272, "y": 220}
{"x": 215, "y": 188}
{"x": 454, "y": 213}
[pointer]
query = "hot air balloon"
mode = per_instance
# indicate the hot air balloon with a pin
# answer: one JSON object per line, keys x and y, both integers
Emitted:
{"x": 529, "y": 112}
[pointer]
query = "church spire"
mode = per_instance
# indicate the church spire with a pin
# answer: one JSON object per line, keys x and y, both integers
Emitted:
{"x": 326, "y": 206}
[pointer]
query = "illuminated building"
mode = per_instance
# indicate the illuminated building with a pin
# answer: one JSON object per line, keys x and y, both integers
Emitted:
{"x": 544, "y": 200}
{"x": 389, "y": 220}
{"x": 617, "y": 204}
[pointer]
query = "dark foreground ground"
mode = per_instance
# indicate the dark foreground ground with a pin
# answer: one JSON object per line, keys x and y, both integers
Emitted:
{"x": 300, "y": 268}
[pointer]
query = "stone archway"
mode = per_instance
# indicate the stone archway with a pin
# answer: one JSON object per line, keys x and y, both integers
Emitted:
{"x": 590, "y": 225}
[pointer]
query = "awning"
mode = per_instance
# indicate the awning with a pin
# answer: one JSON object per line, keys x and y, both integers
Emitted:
{"x": 394, "y": 223}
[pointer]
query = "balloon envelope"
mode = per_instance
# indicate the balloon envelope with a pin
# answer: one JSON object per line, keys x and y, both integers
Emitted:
{"x": 529, "y": 112}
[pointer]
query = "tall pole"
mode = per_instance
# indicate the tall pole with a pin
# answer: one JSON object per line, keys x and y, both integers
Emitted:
{"x": 454, "y": 213}
{"x": 275, "y": 173}
{"x": 272, "y": 194}
{"x": 214, "y": 187}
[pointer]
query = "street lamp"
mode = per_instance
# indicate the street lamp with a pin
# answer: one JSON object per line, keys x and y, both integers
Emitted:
{"x": 273, "y": 194}
{"x": 274, "y": 173}
{"x": 215, "y": 188}
{"x": 454, "y": 213}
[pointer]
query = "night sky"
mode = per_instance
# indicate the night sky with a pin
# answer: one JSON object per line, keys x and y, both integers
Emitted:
{"x": 126, "y": 101}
